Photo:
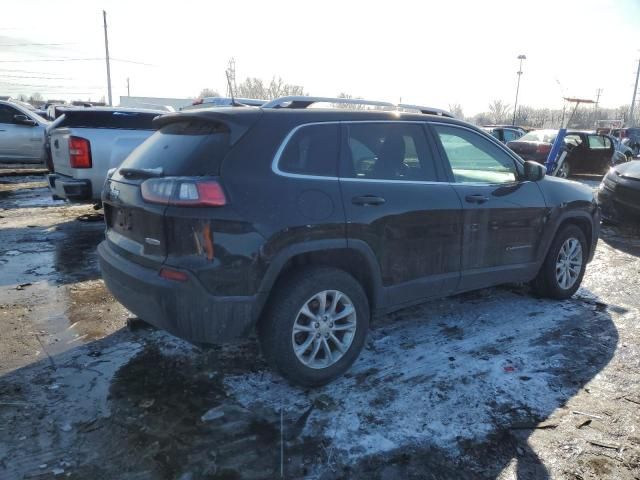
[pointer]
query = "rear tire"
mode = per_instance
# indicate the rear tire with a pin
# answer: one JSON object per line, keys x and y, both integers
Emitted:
{"x": 563, "y": 268}
{"x": 309, "y": 343}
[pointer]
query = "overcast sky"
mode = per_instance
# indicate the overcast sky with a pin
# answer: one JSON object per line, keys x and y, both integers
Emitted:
{"x": 431, "y": 53}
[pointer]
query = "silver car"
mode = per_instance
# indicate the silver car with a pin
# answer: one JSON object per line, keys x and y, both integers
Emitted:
{"x": 22, "y": 134}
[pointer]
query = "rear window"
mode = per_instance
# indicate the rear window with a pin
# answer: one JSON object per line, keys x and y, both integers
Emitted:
{"x": 539, "y": 136}
{"x": 188, "y": 148}
{"x": 108, "y": 119}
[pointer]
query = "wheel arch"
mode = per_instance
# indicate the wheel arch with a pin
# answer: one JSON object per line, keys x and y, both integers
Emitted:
{"x": 583, "y": 221}
{"x": 356, "y": 258}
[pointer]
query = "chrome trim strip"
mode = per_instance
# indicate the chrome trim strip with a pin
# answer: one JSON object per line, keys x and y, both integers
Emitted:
{"x": 276, "y": 158}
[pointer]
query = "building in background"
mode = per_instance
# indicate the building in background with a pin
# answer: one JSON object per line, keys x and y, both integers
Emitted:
{"x": 154, "y": 102}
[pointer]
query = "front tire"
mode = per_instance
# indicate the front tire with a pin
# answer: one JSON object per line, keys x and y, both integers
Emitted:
{"x": 315, "y": 326}
{"x": 564, "y": 266}
{"x": 565, "y": 169}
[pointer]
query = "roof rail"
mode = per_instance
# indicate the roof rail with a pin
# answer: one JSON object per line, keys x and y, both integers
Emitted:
{"x": 426, "y": 110}
{"x": 304, "y": 102}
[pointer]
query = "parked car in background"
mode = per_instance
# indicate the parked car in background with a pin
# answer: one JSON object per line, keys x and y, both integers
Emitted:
{"x": 22, "y": 133}
{"x": 633, "y": 136}
{"x": 38, "y": 111}
{"x": 504, "y": 134}
{"x": 622, "y": 152}
{"x": 619, "y": 192}
{"x": 586, "y": 152}
{"x": 302, "y": 222}
{"x": 208, "y": 102}
{"x": 86, "y": 142}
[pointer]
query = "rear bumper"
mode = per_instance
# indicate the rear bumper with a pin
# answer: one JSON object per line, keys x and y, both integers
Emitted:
{"x": 185, "y": 309}
{"x": 67, "y": 188}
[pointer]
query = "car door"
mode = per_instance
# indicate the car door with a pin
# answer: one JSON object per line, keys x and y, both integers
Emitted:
{"x": 503, "y": 215}
{"x": 599, "y": 154}
{"x": 19, "y": 142}
{"x": 396, "y": 202}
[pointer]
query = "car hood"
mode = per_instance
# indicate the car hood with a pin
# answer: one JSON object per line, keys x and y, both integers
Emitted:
{"x": 629, "y": 170}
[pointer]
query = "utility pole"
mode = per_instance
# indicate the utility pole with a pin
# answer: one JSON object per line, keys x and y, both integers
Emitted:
{"x": 633, "y": 100}
{"x": 515, "y": 105}
{"x": 106, "y": 49}
{"x": 128, "y": 91}
{"x": 231, "y": 78}
{"x": 595, "y": 110}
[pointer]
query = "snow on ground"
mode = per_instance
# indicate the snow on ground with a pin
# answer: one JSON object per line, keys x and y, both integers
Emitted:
{"x": 437, "y": 375}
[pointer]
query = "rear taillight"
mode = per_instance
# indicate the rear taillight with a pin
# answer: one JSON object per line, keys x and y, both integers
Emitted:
{"x": 543, "y": 148}
{"x": 79, "y": 152}
{"x": 174, "y": 275}
{"x": 188, "y": 192}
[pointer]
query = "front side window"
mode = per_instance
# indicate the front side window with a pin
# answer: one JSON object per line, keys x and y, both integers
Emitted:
{"x": 389, "y": 151}
{"x": 312, "y": 150}
{"x": 473, "y": 158}
{"x": 7, "y": 113}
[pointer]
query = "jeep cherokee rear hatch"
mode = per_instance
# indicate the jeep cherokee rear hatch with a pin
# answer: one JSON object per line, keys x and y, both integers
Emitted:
{"x": 178, "y": 167}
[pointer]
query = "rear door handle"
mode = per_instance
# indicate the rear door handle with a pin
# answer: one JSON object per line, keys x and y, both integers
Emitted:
{"x": 476, "y": 198}
{"x": 367, "y": 200}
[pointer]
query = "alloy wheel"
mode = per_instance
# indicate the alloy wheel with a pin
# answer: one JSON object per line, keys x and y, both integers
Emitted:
{"x": 569, "y": 263}
{"x": 563, "y": 172}
{"x": 324, "y": 329}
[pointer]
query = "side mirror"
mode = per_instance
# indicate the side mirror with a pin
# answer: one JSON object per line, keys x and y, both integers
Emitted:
{"x": 534, "y": 171}
{"x": 24, "y": 120}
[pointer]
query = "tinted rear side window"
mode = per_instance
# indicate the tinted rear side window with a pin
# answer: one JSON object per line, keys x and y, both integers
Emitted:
{"x": 189, "y": 148}
{"x": 312, "y": 150}
{"x": 108, "y": 119}
{"x": 390, "y": 151}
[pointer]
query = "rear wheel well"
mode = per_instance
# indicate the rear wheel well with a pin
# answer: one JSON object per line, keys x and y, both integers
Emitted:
{"x": 346, "y": 259}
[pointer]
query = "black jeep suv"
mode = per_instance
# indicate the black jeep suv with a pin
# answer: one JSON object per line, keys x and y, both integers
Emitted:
{"x": 302, "y": 223}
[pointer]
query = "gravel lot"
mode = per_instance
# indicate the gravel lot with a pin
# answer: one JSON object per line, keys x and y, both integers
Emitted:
{"x": 492, "y": 384}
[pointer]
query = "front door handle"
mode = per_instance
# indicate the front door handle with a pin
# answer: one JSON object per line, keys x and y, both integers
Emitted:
{"x": 367, "y": 200}
{"x": 476, "y": 198}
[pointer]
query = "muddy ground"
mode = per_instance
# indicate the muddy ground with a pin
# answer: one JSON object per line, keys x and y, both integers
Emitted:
{"x": 492, "y": 384}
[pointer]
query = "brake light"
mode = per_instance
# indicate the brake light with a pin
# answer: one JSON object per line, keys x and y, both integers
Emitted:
{"x": 187, "y": 192}
{"x": 543, "y": 148}
{"x": 171, "y": 274}
{"x": 79, "y": 152}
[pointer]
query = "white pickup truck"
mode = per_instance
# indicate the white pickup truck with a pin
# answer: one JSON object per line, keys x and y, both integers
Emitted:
{"x": 84, "y": 143}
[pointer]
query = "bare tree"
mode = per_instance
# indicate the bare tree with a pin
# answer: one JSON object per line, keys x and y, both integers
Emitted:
{"x": 456, "y": 110}
{"x": 255, "y": 88}
{"x": 350, "y": 106}
{"x": 208, "y": 92}
{"x": 499, "y": 111}
{"x": 524, "y": 115}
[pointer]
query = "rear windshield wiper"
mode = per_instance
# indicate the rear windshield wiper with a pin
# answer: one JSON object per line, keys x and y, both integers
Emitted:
{"x": 141, "y": 172}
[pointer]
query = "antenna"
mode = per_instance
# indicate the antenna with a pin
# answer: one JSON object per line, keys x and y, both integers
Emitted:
{"x": 233, "y": 100}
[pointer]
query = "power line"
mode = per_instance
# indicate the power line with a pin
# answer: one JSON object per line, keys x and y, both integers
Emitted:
{"x": 51, "y": 60}
{"x": 34, "y": 44}
{"x": 77, "y": 60}
{"x": 4, "y": 75}
{"x": 46, "y": 85}
{"x": 22, "y": 71}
